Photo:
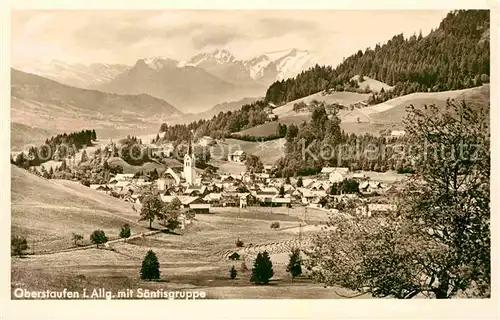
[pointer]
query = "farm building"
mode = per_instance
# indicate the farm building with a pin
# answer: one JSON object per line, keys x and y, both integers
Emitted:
{"x": 124, "y": 176}
{"x": 100, "y": 187}
{"x": 368, "y": 187}
{"x": 337, "y": 174}
{"x": 237, "y": 156}
{"x": 199, "y": 191}
{"x": 164, "y": 151}
{"x": 121, "y": 185}
{"x": 311, "y": 196}
{"x": 268, "y": 168}
{"x": 230, "y": 199}
{"x": 397, "y": 133}
{"x": 359, "y": 176}
{"x": 168, "y": 179}
{"x": 272, "y": 117}
{"x": 372, "y": 209}
{"x": 185, "y": 200}
{"x": 278, "y": 202}
{"x": 213, "y": 199}
{"x": 206, "y": 141}
{"x": 199, "y": 207}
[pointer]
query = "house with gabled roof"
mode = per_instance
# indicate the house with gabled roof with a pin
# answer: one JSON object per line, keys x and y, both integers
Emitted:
{"x": 199, "y": 191}
{"x": 100, "y": 187}
{"x": 338, "y": 174}
{"x": 237, "y": 156}
{"x": 124, "y": 176}
{"x": 213, "y": 198}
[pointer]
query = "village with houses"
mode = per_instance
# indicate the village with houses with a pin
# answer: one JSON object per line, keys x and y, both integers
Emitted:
{"x": 202, "y": 191}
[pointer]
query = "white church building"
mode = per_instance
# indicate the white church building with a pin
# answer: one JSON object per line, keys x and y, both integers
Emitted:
{"x": 190, "y": 167}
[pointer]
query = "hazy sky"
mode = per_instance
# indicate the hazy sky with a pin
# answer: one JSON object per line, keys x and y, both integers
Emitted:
{"x": 125, "y": 36}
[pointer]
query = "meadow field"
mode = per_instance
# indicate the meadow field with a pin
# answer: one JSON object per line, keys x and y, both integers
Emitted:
{"x": 195, "y": 258}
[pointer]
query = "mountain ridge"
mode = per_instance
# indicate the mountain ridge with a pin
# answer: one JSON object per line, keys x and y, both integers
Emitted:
{"x": 42, "y": 103}
{"x": 215, "y": 77}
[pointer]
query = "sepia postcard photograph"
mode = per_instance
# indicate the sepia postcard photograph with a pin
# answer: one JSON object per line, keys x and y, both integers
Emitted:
{"x": 176, "y": 154}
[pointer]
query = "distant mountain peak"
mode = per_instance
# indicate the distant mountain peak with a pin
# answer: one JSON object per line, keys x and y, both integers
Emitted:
{"x": 223, "y": 55}
{"x": 158, "y": 63}
{"x": 219, "y": 56}
{"x": 285, "y": 63}
{"x": 73, "y": 74}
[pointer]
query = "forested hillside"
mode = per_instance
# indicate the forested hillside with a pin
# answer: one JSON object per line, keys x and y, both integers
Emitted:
{"x": 454, "y": 56}
{"x": 221, "y": 125}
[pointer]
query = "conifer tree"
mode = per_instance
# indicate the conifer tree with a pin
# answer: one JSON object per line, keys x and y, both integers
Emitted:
{"x": 262, "y": 270}
{"x": 150, "y": 269}
{"x": 233, "y": 273}
{"x": 294, "y": 264}
{"x": 300, "y": 184}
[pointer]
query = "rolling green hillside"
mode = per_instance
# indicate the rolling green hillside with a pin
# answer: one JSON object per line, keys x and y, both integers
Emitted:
{"x": 49, "y": 211}
{"x": 372, "y": 119}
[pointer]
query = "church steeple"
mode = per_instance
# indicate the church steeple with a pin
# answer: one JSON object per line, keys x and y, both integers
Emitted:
{"x": 190, "y": 164}
{"x": 190, "y": 147}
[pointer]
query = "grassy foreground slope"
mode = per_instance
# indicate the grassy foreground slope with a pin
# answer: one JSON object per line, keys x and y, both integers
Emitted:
{"x": 49, "y": 211}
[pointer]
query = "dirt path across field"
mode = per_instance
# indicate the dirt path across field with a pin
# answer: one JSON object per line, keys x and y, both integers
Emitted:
{"x": 105, "y": 245}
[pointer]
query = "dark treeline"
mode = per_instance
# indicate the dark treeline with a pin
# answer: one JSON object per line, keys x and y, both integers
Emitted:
{"x": 454, "y": 56}
{"x": 280, "y": 133}
{"x": 220, "y": 126}
{"x": 55, "y": 148}
{"x": 321, "y": 143}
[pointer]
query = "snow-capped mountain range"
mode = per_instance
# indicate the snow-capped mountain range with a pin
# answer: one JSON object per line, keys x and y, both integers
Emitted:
{"x": 192, "y": 85}
{"x": 264, "y": 68}
{"x": 73, "y": 74}
{"x": 270, "y": 66}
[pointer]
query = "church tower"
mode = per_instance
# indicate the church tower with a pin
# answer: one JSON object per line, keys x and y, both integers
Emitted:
{"x": 189, "y": 166}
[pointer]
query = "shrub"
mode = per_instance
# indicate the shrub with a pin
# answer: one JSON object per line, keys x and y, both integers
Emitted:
{"x": 18, "y": 245}
{"x": 85, "y": 182}
{"x": 125, "y": 231}
{"x": 98, "y": 237}
{"x": 275, "y": 225}
{"x": 150, "y": 269}
{"x": 239, "y": 243}
{"x": 77, "y": 238}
